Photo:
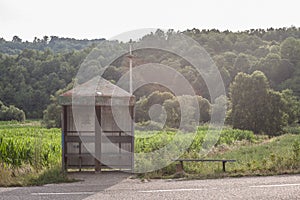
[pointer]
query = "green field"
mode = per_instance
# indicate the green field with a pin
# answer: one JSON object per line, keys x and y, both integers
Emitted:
{"x": 279, "y": 155}
{"x": 29, "y": 144}
{"x": 255, "y": 155}
{"x": 31, "y": 155}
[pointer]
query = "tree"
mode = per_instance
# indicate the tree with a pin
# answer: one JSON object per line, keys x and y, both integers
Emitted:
{"x": 52, "y": 114}
{"x": 275, "y": 115}
{"x": 255, "y": 106}
{"x": 144, "y": 104}
{"x": 16, "y": 39}
{"x": 204, "y": 109}
{"x": 290, "y": 49}
{"x": 292, "y": 106}
{"x": 51, "y": 117}
{"x": 219, "y": 109}
{"x": 242, "y": 63}
{"x": 175, "y": 114}
{"x": 45, "y": 39}
{"x": 276, "y": 69}
{"x": 172, "y": 108}
{"x": 140, "y": 110}
{"x": 293, "y": 84}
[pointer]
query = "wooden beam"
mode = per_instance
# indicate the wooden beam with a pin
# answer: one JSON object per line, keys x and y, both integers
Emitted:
{"x": 132, "y": 137}
{"x": 64, "y": 135}
{"x": 85, "y": 139}
{"x": 98, "y": 139}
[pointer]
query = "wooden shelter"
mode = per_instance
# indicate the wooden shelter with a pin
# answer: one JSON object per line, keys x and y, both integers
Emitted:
{"x": 97, "y": 126}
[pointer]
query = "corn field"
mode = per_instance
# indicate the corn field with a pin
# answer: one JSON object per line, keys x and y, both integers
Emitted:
{"x": 154, "y": 140}
{"x": 32, "y": 145}
{"x": 41, "y": 147}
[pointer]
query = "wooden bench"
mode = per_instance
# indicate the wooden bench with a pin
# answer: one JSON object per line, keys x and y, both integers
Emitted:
{"x": 224, "y": 161}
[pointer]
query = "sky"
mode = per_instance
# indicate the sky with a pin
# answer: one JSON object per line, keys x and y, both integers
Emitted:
{"x": 91, "y": 19}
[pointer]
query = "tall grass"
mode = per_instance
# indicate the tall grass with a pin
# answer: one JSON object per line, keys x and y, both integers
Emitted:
{"x": 26, "y": 151}
{"x": 255, "y": 155}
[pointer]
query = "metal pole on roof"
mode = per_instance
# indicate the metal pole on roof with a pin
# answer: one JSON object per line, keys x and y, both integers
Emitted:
{"x": 130, "y": 68}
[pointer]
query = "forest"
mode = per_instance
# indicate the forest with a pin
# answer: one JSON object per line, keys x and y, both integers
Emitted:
{"x": 260, "y": 69}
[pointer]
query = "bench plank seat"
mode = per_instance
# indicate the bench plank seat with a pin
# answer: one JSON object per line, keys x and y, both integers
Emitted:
{"x": 224, "y": 161}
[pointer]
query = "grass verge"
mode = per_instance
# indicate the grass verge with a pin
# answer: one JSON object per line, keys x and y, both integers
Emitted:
{"x": 279, "y": 155}
{"x": 28, "y": 176}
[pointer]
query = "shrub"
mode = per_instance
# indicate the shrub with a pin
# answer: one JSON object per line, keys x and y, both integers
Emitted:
{"x": 11, "y": 113}
{"x": 148, "y": 126}
{"x": 51, "y": 118}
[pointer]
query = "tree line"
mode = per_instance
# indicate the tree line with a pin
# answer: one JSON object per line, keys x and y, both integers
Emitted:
{"x": 54, "y": 43}
{"x": 32, "y": 72}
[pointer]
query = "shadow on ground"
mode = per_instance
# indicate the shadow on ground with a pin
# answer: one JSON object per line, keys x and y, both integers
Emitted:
{"x": 89, "y": 183}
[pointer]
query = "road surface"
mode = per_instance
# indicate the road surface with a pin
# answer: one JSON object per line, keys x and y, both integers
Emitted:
{"x": 114, "y": 185}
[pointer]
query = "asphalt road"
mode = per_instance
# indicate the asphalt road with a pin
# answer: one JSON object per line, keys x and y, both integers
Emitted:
{"x": 120, "y": 186}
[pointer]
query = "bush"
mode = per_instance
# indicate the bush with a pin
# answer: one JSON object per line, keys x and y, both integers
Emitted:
{"x": 149, "y": 126}
{"x": 145, "y": 103}
{"x": 256, "y": 107}
{"x": 296, "y": 150}
{"x": 51, "y": 118}
{"x": 11, "y": 113}
{"x": 292, "y": 129}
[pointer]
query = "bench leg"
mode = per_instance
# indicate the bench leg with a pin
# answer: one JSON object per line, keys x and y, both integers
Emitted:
{"x": 179, "y": 167}
{"x": 224, "y": 169}
{"x": 97, "y": 166}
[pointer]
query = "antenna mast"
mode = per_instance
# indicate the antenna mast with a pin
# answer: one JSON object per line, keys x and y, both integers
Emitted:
{"x": 130, "y": 67}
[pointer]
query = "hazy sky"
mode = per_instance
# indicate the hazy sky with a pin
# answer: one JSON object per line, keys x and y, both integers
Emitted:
{"x": 97, "y": 19}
